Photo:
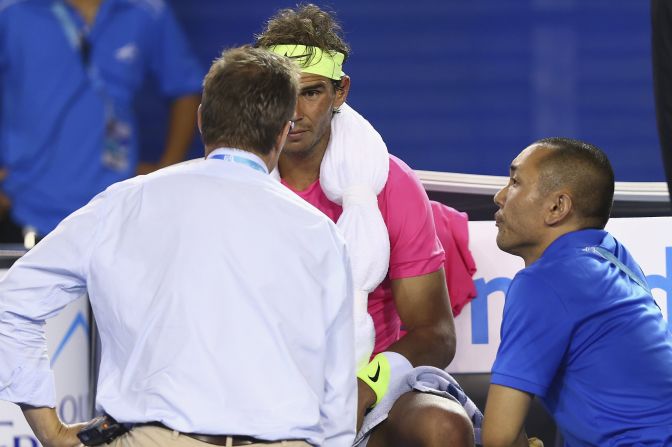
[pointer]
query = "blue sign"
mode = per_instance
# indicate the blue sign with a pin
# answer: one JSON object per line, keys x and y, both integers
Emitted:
{"x": 479, "y": 306}
{"x": 78, "y": 322}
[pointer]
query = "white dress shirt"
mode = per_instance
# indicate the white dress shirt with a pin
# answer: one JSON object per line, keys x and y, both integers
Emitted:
{"x": 223, "y": 300}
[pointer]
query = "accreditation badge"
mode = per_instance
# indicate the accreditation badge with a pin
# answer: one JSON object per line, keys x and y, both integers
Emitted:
{"x": 117, "y": 144}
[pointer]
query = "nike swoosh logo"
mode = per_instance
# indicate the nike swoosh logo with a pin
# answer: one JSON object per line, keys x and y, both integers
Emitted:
{"x": 298, "y": 56}
{"x": 374, "y": 378}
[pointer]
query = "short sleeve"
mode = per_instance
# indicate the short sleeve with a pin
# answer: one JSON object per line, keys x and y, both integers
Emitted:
{"x": 172, "y": 61}
{"x": 535, "y": 335}
{"x": 414, "y": 247}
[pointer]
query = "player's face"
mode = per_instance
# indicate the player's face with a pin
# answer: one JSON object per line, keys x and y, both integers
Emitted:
{"x": 520, "y": 219}
{"x": 314, "y": 109}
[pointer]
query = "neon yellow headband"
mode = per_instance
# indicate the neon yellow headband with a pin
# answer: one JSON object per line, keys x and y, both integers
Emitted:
{"x": 313, "y": 60}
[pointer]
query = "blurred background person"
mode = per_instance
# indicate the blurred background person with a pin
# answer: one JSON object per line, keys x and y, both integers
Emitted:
{"x": 69, "y": 73}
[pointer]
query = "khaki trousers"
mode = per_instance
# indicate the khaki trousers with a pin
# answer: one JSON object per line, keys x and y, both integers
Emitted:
{"x": 149, "y": 436}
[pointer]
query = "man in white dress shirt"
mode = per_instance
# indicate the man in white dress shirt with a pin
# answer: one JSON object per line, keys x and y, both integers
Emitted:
{"x": 223, "y": 300}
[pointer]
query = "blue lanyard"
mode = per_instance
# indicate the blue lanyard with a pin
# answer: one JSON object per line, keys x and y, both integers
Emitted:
{"x": 238, "y": 159}
{"x": 78, "y": 41}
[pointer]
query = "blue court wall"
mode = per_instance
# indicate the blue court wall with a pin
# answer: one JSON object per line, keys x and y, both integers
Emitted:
{"x": 464, "y": 85}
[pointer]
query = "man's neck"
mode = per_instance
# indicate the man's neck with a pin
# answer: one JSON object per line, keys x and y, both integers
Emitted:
{"x": 87, "y": 8}
{"x": 536, "y": 252}
{"x": 268, "y": 159}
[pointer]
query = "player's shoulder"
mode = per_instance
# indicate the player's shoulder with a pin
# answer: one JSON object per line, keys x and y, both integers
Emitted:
{"x": 401, "y": 173}
{"x": 399, "y": 168}
{"x": 401, "y": 179}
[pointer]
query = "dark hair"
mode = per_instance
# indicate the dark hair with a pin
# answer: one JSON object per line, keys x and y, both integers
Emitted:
{"x": 306, "y": 25}
{"x": 249, "y": 95}
{"x": 586, "y": 170}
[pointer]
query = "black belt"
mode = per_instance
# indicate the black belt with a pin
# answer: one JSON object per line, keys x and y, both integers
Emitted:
{"x": 214, "y": 439}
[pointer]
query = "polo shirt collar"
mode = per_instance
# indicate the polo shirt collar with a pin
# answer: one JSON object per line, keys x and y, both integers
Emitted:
{"x": 579, "y": 239}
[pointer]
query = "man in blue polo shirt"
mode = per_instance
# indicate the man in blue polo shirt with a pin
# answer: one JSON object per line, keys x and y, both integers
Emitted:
{"x": 69, "y": 73}
{"x": 580, "y": 329}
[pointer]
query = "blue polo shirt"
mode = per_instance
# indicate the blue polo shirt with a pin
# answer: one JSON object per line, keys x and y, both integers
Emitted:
{"x": 591, "y": 343}
{"x": 52, "y": 118}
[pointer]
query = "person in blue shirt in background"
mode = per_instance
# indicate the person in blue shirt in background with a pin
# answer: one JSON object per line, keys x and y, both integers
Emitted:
{"x": 580, "y": 328}
{"x": 69, "y": 73}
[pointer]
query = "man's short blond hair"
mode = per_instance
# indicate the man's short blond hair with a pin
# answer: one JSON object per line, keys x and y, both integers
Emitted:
{"x": 249, "y": 94}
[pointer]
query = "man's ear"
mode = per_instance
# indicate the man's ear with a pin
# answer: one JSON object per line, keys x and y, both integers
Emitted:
{"x": 559, "y": 208}
{"x": 342, "y": 92}
{"x": 282, "y": 137}
{"x": 198, "y": 119}
{"x": 280, "y": 140}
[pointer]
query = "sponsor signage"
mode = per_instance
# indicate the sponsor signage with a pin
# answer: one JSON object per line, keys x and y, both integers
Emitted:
{"x": 648, "y": 239}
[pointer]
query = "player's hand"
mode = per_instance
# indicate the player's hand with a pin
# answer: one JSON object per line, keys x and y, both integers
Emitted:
{"x": 535, "y": 442}
{"x": 5, "y": 202}
{"x": 365, "y": 400}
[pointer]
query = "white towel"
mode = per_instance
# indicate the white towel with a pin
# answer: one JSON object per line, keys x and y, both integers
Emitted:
{"x": 354, "y": 171}
{"x": 425, "y": 379}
